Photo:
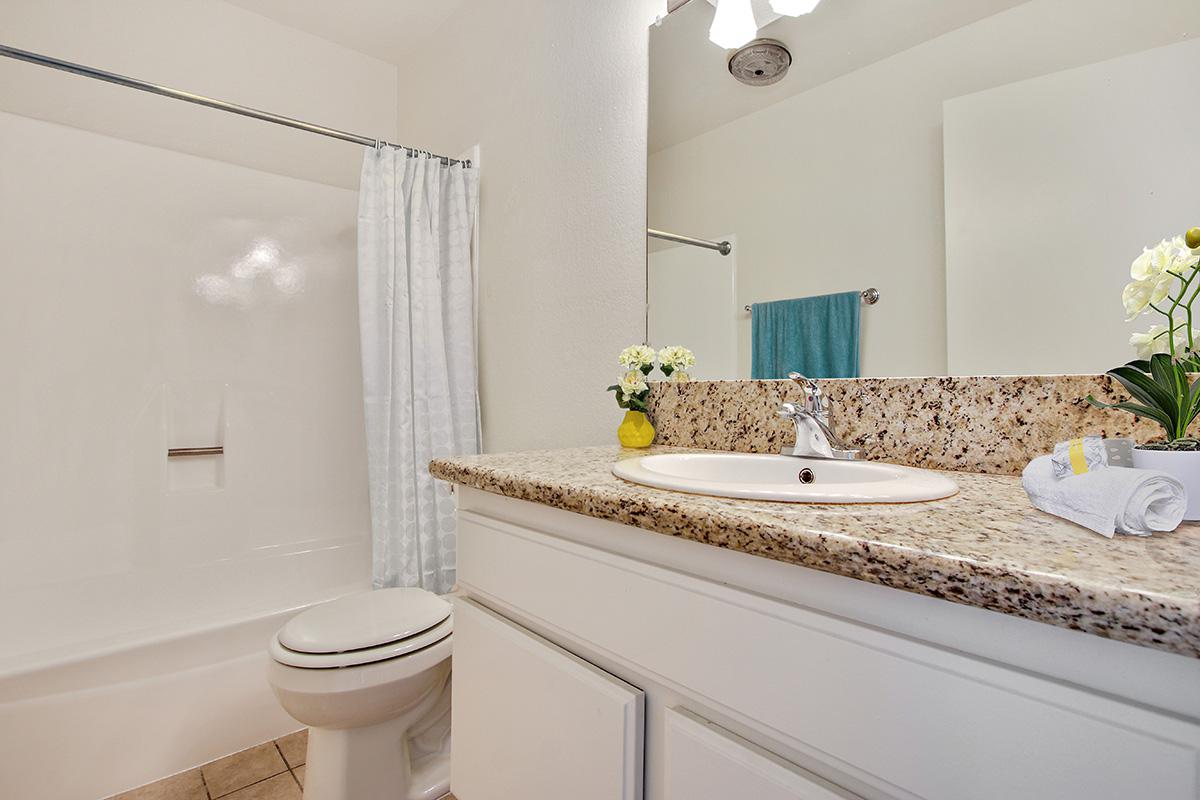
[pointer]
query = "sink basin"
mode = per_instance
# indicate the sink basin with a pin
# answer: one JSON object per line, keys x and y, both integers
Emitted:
{"x": 787, "y": 479}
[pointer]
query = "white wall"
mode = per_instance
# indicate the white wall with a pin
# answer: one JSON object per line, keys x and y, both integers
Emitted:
{"x": 555, "y": 94}
{"x": 691, "y": 301}
{"x": 843, "y": 186}
{"x": 175, "y": 276}
{"x": 1053, "y": 185}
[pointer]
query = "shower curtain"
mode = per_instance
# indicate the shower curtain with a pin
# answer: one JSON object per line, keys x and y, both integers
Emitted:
{"x": 416, "y": 220}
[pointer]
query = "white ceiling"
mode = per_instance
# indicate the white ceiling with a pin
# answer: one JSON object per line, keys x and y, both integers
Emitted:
{"x": 691, "y": 90}
{"x": 385, "y": 29}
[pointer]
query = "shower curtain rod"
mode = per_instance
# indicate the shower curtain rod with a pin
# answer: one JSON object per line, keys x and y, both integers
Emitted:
{"x": 200, "y": 100}
{"x": 724, "y": 248}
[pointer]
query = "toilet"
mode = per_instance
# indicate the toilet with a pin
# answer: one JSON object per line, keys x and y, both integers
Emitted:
{"x": 369, "y": 674}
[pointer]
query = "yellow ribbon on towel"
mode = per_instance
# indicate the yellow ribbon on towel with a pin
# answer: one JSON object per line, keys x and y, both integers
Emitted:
{"x": 1078, "y": 462}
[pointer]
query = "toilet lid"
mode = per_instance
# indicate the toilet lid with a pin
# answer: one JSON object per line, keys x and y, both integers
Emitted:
{"x": 369, "y": 655}
{"x": 363, "y": 620}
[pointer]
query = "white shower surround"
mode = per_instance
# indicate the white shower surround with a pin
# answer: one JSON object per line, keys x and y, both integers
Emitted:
{"x": 153, "y": 300}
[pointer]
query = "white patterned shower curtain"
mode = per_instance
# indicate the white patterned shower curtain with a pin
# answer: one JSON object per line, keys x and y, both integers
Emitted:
{"x": 416, "y": 220}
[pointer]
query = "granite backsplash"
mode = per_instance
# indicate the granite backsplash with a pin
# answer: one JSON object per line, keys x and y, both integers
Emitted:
{"x": 992, "y": 425}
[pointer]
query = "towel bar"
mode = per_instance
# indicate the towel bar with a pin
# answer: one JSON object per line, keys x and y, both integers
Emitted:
{"x": 869, "y": 297}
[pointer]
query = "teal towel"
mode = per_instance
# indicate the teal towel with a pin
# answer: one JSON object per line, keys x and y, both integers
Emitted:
{"x": 815, "y": 336}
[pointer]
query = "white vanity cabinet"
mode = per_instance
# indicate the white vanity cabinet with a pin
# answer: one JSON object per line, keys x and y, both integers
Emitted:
{"x": 746, "y": 688}
{"x": 534, "y": 722}
{"x": 703, "y": 760}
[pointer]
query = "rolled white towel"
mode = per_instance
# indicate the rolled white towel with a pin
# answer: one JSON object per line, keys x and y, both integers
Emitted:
{"x": 1112, "y": 500}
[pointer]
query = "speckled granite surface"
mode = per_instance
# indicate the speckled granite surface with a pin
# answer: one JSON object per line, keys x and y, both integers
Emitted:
{"x": 978, "y": 424}
{"x": 984, "y": 547}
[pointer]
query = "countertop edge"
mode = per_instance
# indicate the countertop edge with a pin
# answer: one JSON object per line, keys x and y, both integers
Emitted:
{"x": 1105, "y": 611}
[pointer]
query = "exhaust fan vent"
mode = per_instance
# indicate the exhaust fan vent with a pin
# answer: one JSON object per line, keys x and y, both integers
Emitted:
{"x": 761, "y": 63}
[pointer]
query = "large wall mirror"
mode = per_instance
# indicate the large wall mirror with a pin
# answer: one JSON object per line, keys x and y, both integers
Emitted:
{"x": 989, "y": 167}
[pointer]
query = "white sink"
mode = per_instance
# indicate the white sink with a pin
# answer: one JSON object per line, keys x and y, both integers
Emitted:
{"x": 788, "y": 479}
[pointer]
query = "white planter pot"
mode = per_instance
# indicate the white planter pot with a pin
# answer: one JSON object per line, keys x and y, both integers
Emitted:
{"x": 1181, "y": 465}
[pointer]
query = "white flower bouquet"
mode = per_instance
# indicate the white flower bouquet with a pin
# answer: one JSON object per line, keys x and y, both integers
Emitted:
{"x": 638, "y": 361}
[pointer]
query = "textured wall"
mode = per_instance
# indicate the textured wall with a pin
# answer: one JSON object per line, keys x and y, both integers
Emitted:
{"x": 555, "y": 95}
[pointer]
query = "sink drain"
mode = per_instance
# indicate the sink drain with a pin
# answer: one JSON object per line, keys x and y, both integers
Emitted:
{"x": 806, "y": 475}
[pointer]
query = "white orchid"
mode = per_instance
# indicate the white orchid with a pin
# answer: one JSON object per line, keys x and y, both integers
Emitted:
{"x": 637, "y": 356}
{"x": 1139, "y": 295}
{"x": 1169, "y": 255}
{"x": 1166, "y": 277}
{"x": 1158, "y": 340}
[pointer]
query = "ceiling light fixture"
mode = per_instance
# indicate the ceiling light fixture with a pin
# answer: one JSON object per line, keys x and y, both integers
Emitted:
{"x": 733, "y": 25}
{"x": 794, "y": 8}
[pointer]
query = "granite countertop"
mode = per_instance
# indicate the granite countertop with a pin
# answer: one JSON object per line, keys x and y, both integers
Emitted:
{"x": 986, "y": 546}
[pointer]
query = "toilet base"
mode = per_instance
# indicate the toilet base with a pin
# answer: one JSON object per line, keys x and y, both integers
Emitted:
{"x": 372, "y": 762}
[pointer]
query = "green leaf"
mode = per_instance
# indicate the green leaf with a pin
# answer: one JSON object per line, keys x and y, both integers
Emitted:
{"x": 1193, "y": 406}
{"x": 1171, "y": 377}
{"x": 1138, "y": 411}
{"x": 615, "y": 387}
{"x": 1144, "y": 389}
{"x": 1149, "y": 392}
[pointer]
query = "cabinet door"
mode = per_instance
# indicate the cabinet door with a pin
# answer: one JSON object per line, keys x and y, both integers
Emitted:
{"x": 534, "y": 722}
{"x": 706, "y": 762}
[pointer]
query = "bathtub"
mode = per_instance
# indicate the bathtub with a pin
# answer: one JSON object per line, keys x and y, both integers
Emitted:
{"x": 164, "y": 691}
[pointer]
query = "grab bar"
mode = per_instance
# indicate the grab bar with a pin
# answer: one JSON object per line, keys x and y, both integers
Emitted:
{"x": 184, "y": 452}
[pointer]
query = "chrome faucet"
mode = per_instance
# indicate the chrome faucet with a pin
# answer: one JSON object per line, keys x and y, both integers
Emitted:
{"x": 814, "y": 437}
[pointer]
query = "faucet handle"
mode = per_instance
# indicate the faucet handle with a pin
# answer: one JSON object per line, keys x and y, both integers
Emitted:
{"x": 814, "y": 398}
{"x": 790, "y": 411}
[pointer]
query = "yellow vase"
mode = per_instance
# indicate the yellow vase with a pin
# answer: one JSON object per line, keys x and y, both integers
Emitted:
{"x": 635, "y": 430}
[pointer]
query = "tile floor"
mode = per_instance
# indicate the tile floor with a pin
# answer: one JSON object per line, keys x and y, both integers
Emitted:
{"x": 269, "y": 771}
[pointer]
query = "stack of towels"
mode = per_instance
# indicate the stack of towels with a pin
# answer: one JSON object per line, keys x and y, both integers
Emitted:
{"x": 1089, "y": 481}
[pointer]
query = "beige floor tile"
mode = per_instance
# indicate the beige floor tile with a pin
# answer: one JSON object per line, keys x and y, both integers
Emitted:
{"x": 242, "y": 769}
{"x": 184, "y": 786}
{"x": 281, "y": 787}
{"x": 299, "y": 773}
{"x": 294, "y": 747}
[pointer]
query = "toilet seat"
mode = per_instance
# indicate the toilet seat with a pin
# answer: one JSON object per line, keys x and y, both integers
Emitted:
{"x": 367, "y": 655}
{"x": 364, "y": 619}
{"x": 363, "y": 628}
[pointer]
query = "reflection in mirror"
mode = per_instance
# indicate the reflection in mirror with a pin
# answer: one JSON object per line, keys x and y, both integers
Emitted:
{"x": 992, "y": 167}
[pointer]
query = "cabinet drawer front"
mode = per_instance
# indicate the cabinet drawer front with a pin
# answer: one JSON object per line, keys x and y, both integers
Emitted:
{"x": 707, "y": 762}
{"x": 911, "y": 719}
{"x": 532, "y": 721}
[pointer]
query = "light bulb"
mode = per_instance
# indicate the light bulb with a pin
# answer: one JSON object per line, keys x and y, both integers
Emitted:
{"x": 794, "y": 8}
{"x": 733, "y": 25}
